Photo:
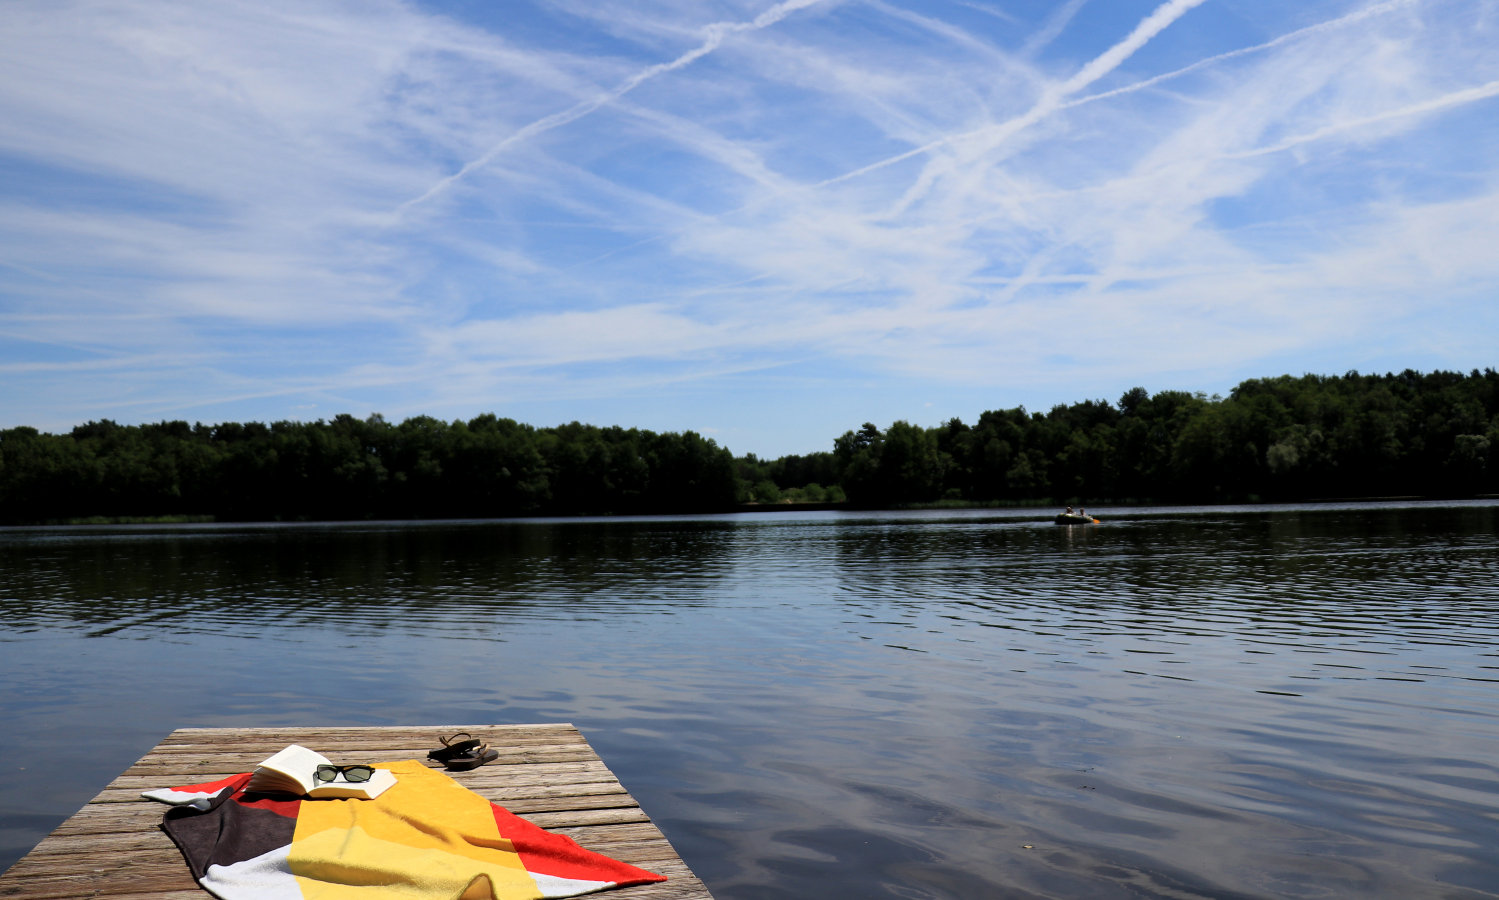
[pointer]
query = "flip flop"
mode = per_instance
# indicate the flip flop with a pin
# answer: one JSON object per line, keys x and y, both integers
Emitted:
{"x": 473, "y": 759}
{"x": 453, "y": 747}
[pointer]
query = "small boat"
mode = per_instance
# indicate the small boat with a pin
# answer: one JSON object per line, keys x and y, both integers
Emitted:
{"x": 1075, "y": 519}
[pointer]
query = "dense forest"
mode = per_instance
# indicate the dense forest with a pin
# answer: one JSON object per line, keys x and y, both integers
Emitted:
{"x": 1286, "y": 438}
{"x": 351, "y": 468}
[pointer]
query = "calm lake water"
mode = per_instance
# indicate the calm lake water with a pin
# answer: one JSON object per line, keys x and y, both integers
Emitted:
{"x": 1202, "y": 702}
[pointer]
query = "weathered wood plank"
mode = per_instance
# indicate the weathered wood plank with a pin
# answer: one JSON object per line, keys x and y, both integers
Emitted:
{"x": 561, "y": 786}
{"x": 114, "y": 849}
{"x": 201, "y": 761}
{"x": 546, "y": 771}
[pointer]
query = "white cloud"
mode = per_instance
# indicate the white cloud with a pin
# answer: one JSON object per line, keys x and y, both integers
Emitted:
{"x": 239, "y": 208}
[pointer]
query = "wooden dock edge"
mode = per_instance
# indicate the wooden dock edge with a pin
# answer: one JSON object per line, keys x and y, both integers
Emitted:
{"x": 547, "y": 773}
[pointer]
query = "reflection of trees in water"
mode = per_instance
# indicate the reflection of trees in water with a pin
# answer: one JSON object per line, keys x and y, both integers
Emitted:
{"x": 1355, "y": 570}
{"x": 372, "y": 576}
{"x": 1315, "y": 564}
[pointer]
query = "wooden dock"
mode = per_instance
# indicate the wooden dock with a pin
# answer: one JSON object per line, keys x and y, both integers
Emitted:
{"x": 113, "y": 847}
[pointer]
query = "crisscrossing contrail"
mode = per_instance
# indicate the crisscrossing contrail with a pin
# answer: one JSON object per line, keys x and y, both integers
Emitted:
{"x": 1050, "y": 101}
{"x": 713, "y": 36}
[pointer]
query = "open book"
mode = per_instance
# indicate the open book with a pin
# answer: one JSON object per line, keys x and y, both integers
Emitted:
{"x": 293, "y": 771}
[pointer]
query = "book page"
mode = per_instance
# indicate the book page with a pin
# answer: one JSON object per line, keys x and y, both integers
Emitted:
{"x": 289, "y": 770}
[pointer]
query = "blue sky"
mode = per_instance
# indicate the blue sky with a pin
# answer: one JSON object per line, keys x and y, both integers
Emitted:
{"x": 765, "y": 222}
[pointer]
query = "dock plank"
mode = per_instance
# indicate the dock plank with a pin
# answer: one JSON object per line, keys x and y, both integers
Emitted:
{"x": 546, "y": 773}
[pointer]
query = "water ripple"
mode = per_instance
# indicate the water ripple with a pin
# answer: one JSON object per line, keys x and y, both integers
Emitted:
{"x": 1287, "y": 702}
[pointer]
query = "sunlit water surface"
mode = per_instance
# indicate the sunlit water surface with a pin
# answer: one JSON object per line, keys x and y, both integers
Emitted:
{"x": 1266, "y": 702}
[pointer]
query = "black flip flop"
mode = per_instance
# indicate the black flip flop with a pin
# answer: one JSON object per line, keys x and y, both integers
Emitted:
{"x": 473, "y": 759}
{"x": 452, "y": 747}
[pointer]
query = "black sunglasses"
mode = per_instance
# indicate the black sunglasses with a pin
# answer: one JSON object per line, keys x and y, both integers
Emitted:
{"x": 350, "y": 773}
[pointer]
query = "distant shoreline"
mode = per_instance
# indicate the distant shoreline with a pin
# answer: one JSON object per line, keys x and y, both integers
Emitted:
{"x": 1038, "y": 506}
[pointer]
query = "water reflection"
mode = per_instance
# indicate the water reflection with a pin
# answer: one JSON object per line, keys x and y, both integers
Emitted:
{"x": 1190, "y": 703}
{"x": 1166, "y": 591}
{"x": 411, "y": 577}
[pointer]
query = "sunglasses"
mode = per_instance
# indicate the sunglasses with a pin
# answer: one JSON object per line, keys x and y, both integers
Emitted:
{"x": 350, "y": 773}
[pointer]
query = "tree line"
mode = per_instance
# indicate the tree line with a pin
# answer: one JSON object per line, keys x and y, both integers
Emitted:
{"x": 1285, "y": 438}
{"x": 350, "y": 468}
{"x": 1271, "y": 439}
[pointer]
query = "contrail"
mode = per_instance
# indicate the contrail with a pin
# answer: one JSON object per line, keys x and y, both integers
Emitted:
{"x": 35, "y": 273}
{"x": 1052, "y": 28}
{"x": 1110, "y": 59}
{"x": 1366, "y": 12}
{"x": 1456, "y": 98}
{"x": 714, "y": 35}
{"x": 1051, "y": 99}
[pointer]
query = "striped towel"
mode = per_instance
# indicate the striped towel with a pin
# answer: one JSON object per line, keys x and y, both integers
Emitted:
{"x": 426, "y": 838}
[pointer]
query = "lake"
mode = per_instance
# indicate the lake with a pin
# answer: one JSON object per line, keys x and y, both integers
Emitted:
{"x": 1293, "y": 701}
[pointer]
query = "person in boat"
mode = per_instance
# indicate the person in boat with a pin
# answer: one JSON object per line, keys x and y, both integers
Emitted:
{"x": 1068, "y": 512}
{"x": 1080, "y": 511}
